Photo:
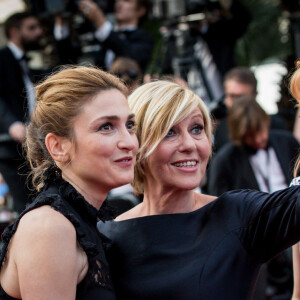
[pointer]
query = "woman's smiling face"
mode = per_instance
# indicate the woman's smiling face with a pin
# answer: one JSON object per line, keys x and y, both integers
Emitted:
{"x": 105, "y": 142}
{"x": 180, "y": 159}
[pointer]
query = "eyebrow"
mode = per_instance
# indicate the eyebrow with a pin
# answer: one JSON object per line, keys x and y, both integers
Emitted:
{"x": 113, "y": 118}
{"x": 197, "y": 115}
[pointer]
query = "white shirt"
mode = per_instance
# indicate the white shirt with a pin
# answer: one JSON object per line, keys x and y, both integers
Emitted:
{"x": 266, "y": 168}
{"x": 18, "y": 54}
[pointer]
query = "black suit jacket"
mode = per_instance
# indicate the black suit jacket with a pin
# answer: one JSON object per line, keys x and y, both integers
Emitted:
{"x": 230, "y": 168}
{"x": 136, "y": 44}
{"x": 13, "y": 101}
{"x": 222, "y": 35}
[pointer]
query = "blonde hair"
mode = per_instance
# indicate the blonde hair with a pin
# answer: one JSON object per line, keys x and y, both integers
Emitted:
{"x": 295, "y": 91}
{"x": 60, "y": 99}
{"x": 157, "y": 107}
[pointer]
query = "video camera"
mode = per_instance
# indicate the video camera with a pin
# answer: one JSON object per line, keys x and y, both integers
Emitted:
{"x": 166, "y": 10}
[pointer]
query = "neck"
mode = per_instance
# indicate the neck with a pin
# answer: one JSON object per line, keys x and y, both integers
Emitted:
{"x": 159, "y": 201}
{"x": 92, "y": 192}
{"x": 18, "y": 44}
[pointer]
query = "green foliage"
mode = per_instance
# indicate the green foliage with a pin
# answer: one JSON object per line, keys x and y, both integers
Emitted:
{"x": 263, "y": 39}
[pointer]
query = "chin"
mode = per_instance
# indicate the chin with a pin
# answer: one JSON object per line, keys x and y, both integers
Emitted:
{"x": 187, "y": 186}
{"x": 123, "y": 181}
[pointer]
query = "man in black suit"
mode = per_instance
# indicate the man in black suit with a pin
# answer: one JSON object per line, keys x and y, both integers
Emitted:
{"x": 239, "y": 81}
{"x": 17, "y": 101}
{"x": 257, "y": 157}
{"x": 125, "y": 39}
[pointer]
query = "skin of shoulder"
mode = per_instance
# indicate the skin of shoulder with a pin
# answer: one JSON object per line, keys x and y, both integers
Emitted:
{"x": 134, "y": 212}
{"x": 48, "y": 261}
{"x": 200, "y": 199}
{"x": 203, "y": 199}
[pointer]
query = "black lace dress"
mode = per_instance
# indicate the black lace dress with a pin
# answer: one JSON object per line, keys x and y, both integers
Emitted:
{"x": 61, "y": 196}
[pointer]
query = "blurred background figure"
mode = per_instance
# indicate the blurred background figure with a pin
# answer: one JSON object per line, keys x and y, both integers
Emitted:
{"x": 239, "y": 81}
{"x": 256, "y": 158}
{"x": 128, "y": 71}
{"x": 261, "y": 159}
{"x": 17, "y": 100}
{"x": 199, "y": 47}
{"x": 124, "y": 38}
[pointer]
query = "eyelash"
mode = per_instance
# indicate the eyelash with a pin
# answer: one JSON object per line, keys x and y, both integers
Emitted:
{"x": 200, "y": 127}
{"x": 133, "y": 123}
{"x": 128, "y": 124}
{"x": 101, "y": 128}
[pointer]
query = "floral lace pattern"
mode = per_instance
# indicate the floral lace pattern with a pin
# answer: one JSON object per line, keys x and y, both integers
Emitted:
{"x": 63, "y": 197}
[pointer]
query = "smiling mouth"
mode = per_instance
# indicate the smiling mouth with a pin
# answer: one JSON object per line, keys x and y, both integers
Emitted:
{"x": 124, "y": 160}
{"x": 186, "y": 164}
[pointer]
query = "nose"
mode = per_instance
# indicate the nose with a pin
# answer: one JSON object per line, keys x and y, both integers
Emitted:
{"x": 262, "y": 138}
{"x": 38, "y": 31}
{"x": 187, "y": 143}
{"x": 127, "y": 141}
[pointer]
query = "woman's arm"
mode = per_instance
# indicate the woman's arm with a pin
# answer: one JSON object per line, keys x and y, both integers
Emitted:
{"x": 296, "y": 267}
{"x": 48, "y": 261}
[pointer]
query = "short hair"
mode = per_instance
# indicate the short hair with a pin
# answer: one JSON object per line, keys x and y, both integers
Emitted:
{"x": 147, "y": 4}
{"x": 157, "y": 107}
{"x": 127, "y": 69}
{"x": 242, "y": 75}
{"x": 295, "y": 91}
{"x": 59, "y": 100}
{"x": 15, "y": 21}
{"x": 245, "y": 115}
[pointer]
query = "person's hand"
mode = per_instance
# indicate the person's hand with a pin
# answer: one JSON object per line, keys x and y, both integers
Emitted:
{"x": 92, "y": 11}
{"x": 17, "y": 131}
{"x": 60, "y": 21}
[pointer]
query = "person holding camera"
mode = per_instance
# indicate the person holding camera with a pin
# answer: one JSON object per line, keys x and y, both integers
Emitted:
{"x": 125, "y": 38}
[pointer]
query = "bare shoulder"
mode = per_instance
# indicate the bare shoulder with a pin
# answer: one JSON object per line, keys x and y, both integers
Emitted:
{"x": 47, "y": 256}
{"x": 45, "y": 225}
{"x": 203, "y": 199}
{"x": 135, "y": 212}
{"x": 45, "y": 220}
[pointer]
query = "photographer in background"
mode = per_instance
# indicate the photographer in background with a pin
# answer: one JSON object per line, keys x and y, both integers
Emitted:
{"x": 17, "y": 101}
{"x": 124, "y": 39}
{"x": 226, "y": 22}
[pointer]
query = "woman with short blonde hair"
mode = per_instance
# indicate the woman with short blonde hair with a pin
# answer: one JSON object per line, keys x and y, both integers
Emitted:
{"x": 178, "y": 244}
{"x": 166, "y": 103}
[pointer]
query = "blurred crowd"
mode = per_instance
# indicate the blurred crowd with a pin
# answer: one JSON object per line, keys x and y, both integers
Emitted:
{"x": 252, "y": 149}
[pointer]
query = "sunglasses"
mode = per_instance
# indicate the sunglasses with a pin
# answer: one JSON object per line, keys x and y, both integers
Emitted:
{"x": 132, "y": 74}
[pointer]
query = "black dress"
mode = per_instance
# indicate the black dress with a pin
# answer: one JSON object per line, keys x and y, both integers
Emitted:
{"x": 212, "y": 253}
{"x": 61, "y": 196}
